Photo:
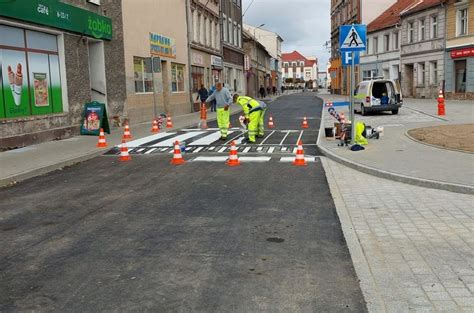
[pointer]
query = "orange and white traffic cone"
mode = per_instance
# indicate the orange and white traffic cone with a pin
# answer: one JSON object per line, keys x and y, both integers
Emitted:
{"x": 299, "y": 158}
{"x": 203, "y": 122}
{"x": 305, "y": 123}
{"x": 233, "y": 159}
{"x": 169, "y": 123}
{"x": 441, "y": 107}
{"x": 102, "y": 142}
{"x": 177, "y": 157}
{"x": 124, "y": 155}
{"x": 155, "y": 128}
{"x": 270, "y": 122}
{"x": 126, "y": 133}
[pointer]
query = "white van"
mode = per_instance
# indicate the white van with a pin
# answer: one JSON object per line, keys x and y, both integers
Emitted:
{"x": 377, "y": 95}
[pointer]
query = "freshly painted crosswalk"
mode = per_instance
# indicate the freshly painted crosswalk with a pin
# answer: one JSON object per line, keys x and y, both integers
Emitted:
{"x": 207, "y": 142}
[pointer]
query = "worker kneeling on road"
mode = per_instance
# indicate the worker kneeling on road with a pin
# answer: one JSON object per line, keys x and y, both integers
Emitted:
{"x": 254, "y": 112}
{"x": 223, "y": 101}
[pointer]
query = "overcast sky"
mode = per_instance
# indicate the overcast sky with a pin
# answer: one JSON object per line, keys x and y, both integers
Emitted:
{"x": 304, "y": 25}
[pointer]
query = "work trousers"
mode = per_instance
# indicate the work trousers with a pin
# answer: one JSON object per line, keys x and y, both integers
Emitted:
{"x": 256, "y": 125}
{"x": 223, "y": 120}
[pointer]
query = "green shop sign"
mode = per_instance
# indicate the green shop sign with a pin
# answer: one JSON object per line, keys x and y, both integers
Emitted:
{"x": 59, "y": 15}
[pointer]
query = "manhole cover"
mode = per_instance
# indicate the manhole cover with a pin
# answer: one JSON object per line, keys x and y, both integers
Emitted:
{"x": 275, "y": 239}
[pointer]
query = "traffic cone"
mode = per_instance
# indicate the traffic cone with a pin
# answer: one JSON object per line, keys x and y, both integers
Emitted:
{"x": 233, "y": 159}
{"x": 177, "y": 157}
{"x": 441, "y": 107}
{"x": 102, "y": 143}
{"x": 299, "y": 158}
{"x": 305, "y": 123}
{"x": 169, "y": 123}
{"x": 270, "y": 122}
{"x": 155, "y": 128}
{"x": 126, "y": 132}
{"x": 203, "y": 122}
{"x": 124, "y": 156}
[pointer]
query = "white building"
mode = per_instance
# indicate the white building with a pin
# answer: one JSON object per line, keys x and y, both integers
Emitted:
{"x": 299, "y": 70}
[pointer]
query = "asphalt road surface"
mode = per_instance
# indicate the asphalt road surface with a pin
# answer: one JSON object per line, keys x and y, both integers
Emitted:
{"x": 201, "y": 237}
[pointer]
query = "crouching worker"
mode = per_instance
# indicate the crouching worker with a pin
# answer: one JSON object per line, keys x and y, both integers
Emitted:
{"x": 254, "y": 112}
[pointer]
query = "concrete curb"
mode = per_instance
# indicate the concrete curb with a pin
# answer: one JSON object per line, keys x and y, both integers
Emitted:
{"x": 431, "y": 145}
{"x": 372, "y": 296}
{"x": 458, "y": 188}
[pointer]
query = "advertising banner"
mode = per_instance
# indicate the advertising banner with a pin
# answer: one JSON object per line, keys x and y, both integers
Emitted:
{"x": 94, "y": 118}
{"x": 162, "y": 46}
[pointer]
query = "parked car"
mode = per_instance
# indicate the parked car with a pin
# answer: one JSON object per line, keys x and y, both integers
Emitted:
{"x": 377, "y": 95}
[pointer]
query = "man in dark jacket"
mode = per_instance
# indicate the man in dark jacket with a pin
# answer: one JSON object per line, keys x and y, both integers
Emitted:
{"x": 202, "y": 94}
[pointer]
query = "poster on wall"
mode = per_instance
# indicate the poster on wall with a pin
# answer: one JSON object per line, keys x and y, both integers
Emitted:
{"x": 15, "y": 83}
{"x": 40, "y": 83}
{"x": 94, "y": 118}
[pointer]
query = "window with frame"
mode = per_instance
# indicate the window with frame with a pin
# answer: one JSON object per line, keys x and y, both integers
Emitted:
{"x": 395, "y": 40}
{"x": 143, "y": 77}
{"x": 411, "y": 32}
{"x": 236, "y": 36}
{"x": 239, "y": 31}
{"x": 434, "y": 73}
{"x": 387, "y": 42}
{"x": 376, "y": 44}
{"x": 177, "y": 77}
{"x": 224, "y": 26}
{"x": 421, "y": 74}
{"x": 434, "y": 26}
{"x": 461, "y": 22}
{"x": 422, "y": 30}
{"x": 231, "y": 32}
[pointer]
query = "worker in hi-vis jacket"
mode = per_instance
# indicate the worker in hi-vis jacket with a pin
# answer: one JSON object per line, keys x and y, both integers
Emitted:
{"x": 254, "y": 112}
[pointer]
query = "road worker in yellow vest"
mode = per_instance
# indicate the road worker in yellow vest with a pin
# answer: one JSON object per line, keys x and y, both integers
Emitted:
{"x": 254, "y": 112}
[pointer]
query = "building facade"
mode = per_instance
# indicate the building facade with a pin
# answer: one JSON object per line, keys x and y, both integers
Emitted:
{"x": 148, "y": 31}
{"x": 232, "y": 45}
{"x": 52, "y": 66}
{"x": 345, "y": 12}
{"x": 272, "y": 43}
{"x": 299, "y": 71}
{"x": 257, "y": 64}
{"x": 422, "y": 51}
{"x": 382, "y": 56}
{"x": 459, "y": 66}
{"x": 205, "y": 45}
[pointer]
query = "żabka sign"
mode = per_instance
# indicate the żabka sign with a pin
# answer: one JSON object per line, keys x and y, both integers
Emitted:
{"x": 461, "y": 53}
{"x": 59, "y": 15}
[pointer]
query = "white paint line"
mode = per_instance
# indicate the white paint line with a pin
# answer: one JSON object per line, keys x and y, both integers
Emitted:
{"x": 211, "y": 148}
{"x": 170, "y": 142}
{"x": 271, "y": 149}
{"x": 144, "y": 140}
{"x": 283, "y": 140}
{"x": 263, "y": 141}
{"x": 223, "y": 159}
{"x": 246, "y": 150}
{"x": 198, "y": 129}
{"x": 222, "y": 149}
{"x": 198, "y": 149}
{"x": 259, "y": 148}
{"x": 294, "y": 150}
{"x": 163, "y": 149}
{"x": 208, "y": 139}
{"x": 188, "y": 148}
{"x": 284, "y": 148}
{"x": 299, "y": 137}
{"x": 291, "y": 159}
{"x": 140, "y": 150}
{"x": 150, "y": 151}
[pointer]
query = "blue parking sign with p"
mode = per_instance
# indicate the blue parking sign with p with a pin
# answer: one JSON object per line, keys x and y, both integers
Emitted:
{"x": 352, "y": 37}
{"x": 347, "y": 58}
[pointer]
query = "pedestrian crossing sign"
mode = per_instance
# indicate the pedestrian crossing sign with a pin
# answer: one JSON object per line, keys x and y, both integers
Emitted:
{"x": 352, "y": 37}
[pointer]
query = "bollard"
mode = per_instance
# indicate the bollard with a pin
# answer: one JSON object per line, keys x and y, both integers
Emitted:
{"x": 441, "y": 107}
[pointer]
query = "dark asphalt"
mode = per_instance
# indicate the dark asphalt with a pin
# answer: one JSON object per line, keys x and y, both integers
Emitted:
{"x": 148, "y": 236}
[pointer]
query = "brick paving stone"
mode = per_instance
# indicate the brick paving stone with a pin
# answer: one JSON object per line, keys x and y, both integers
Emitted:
{"x": 418, "y": 242}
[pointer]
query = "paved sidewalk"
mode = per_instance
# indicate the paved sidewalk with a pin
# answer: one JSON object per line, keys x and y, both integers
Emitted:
{"x": 398, "y": 157}
{"x": 412, "y": 247}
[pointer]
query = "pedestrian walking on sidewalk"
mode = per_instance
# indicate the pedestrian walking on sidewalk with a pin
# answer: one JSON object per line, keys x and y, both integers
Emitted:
{"x": 262, "y": 91}
{"x": 254, "y": 112}
{"x": 202, "y": 94}
{"x": 223, "y": 100}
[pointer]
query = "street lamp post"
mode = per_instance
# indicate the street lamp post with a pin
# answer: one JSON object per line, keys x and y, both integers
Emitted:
{"x": 256, "y": 53}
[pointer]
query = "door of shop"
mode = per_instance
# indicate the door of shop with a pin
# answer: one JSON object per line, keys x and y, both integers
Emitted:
{"x": 97, "y": 71}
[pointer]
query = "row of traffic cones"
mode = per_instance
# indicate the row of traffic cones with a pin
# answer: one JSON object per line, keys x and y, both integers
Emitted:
{"x": 304, "y": 123}
{"x": 233, "y": 159}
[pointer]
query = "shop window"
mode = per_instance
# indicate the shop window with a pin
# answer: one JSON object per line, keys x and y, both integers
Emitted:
{"x": 177, "y": 77}
{"x": 460, "y": 75}
{"x": 143, "y": 76}
{"x": 31, "y": 82}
